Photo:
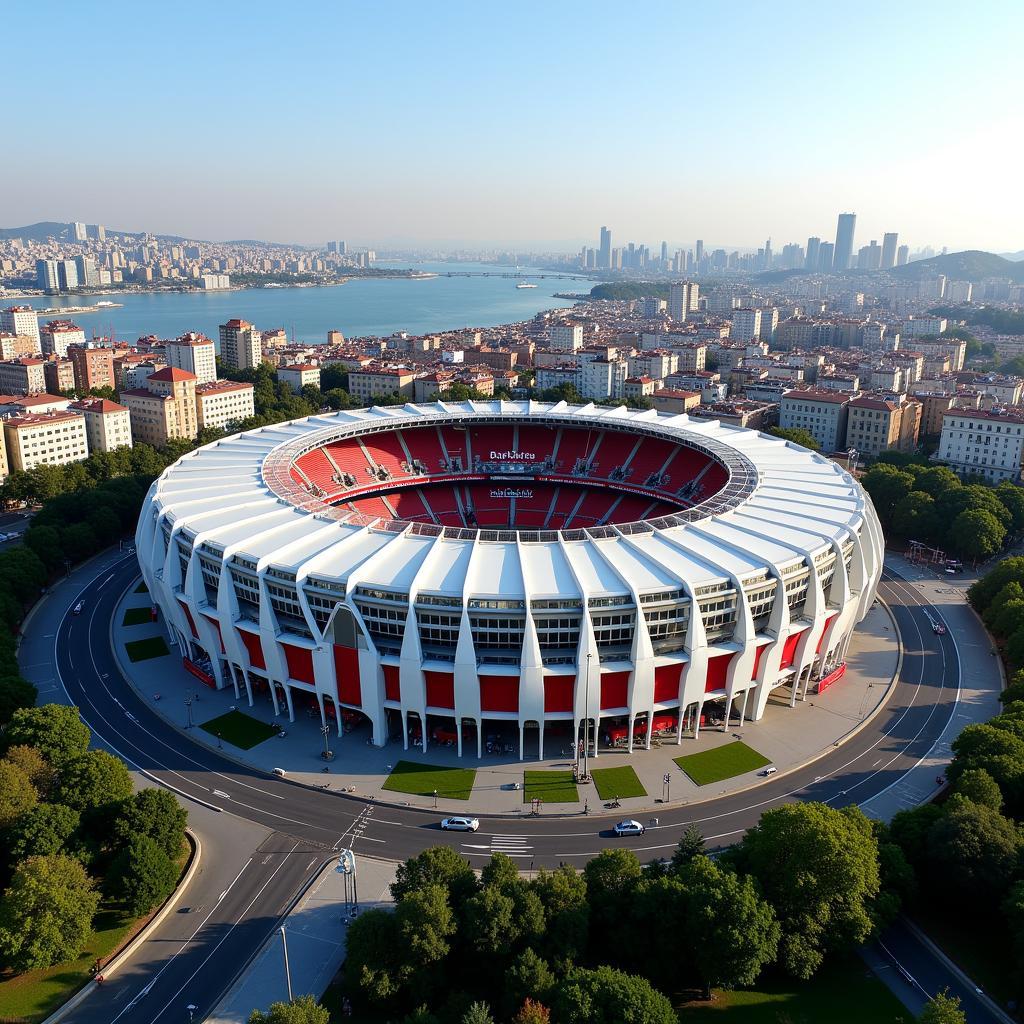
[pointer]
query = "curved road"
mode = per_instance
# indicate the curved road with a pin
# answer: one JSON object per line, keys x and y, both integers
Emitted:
{"x": 307, "y": 824}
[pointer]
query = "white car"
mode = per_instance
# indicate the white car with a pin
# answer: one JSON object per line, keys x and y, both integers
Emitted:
{"x": 770, "y": 770}
{"x": 460, "y": 824}
{"x": 629, "y": 827}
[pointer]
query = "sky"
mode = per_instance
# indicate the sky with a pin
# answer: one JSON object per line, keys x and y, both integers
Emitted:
{"x": 528, "y": 125}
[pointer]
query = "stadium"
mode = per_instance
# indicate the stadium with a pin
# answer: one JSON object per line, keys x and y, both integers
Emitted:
{"x": 500, "y": 573}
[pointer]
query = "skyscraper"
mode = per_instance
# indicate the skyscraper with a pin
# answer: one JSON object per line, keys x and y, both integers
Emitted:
{"x": 604, "y": 256}
{"x": 889, "y": 240}
{"x": 845, "y": 227}
{"x": 664, "y": 252}
{"x": 680, "y": 299}
{"x": 47, "y": 278}
{"x": 902, "y": 255}
{"x": 78, "y": 229}
{"x": 811, "y": 259}
{"x": 240, "y": 345}
{"x": 700, "y": 251}
{"x": 825, "y": 254}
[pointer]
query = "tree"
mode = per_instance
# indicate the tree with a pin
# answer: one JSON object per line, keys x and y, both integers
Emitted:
{"x": 55, "y": 730}
{"x": 798, "y": 436}
{"x": 528, "y": 977}
{"x": 94, "y": 781}
{"x": 979, "y": 787}
{"x": 374, "y": 962}
{"x": 689, "y": 847}
{"x": 887, "y": 485}
{"x": 33, "y": 764}
{"x": 563, "y": 897}
{"x": 998, "y": 751}
{"x": 936, "y": 480}
{"x": 819, "y": 911}
{"x": 973, "y": 852}
{"x": 1013, "y": 498}
{"x": 155, "y": 813}
{"x": 976, "y": 534}
{"x": 607, "y": 996}
{"x": 943, "y": 1009}
{"x": 42, "y": 830}
{"x": 914, "y": 517}
{"x": 532, "y": 1013}
{"x": 612, "y": 877}
{"x": 304, "y": 1010}
{"x": 17, "y": 794}
{"x": 1015, "y": 647}
{"x": 909, "y": 831}
{"x": 478, "y": 1013}
{"x": 438, "y": 865}
{"x": 15, "y": 693}
{"x": 142, "y": 876}
{"x": 731, "y": 932}
{"x": 46, "y": 913}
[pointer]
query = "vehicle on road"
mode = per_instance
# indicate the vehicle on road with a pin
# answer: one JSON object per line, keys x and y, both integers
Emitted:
{"x": 77, "y": 610}
{"x": 770, "y": 770}
{"x": 460, "y": 824}
{"x": 280, "y": 773}
{"x": 938, "y": 629}
{"x": 629, "y": 827}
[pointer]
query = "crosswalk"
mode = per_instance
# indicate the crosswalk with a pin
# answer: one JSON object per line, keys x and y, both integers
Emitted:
{"x": 512, "y": 846}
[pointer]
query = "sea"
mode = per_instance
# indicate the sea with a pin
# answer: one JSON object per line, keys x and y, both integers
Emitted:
{"x": 360, "y": 307}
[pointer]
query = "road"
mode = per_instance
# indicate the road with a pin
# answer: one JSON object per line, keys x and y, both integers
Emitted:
{"x": 304, "y": 825}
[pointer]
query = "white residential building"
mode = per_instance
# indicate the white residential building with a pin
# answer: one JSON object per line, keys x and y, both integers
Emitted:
{"x": 240, "y": 345}
{"x": 989, "y": 444}
{"x": 298, "y": 375}
{"x": 746, "y": 325}
{"x": 822, "y": 413}
{"x": 223, "y": 402}
{"x": 20, "y": 320}
{"x": 52, "y": 439}
{"x": 195, "y": 353}
{"x": 107, "y": 424}
{"x": 565, "y": 337}
{"x": 57, "y": 335}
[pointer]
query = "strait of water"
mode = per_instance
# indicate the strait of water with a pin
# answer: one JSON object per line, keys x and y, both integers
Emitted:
{"x": 360, "y": 307}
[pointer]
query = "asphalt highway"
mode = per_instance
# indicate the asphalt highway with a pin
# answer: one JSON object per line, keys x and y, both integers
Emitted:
{"x": 307, "y": 824}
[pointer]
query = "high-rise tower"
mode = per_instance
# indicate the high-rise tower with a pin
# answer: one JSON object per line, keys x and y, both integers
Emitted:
{"x": 844, "y": 241}
{"x": 604, "y": 253}
{"x": 889, "y": 242}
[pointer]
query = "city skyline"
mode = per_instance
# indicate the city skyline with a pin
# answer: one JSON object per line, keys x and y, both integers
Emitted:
{"x": 398, "y": 130}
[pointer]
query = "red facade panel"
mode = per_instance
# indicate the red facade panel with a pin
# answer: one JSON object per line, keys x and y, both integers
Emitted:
{"x": 789, "y": 649}
{"x": 253, "y": 647}
{"x": 300, "y": 662}
{"x": 499, "y": 693}
{"x": 346, "y": 673}
{"x": 718, "y": 672}
{"x": 757, "y": 659}
{"x": 558, "y": 693}
{"x": 440, "y": 689}
{"x": 188, "y": 615}
{"x": 824, "y": 632}
{"x": 666, "y": 681}
{"x": 392, "y": 688}
{"x": 614, "y": 690}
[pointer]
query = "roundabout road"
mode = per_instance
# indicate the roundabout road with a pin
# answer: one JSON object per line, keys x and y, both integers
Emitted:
{"x": 904, "y": 731}
{"x": 307, "y": 824}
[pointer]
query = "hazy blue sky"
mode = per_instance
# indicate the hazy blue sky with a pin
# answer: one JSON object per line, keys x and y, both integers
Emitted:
{"x": 518, "y": 123}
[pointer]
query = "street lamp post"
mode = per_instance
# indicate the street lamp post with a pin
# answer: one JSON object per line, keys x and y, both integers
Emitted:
{"x": 191, "y": 1010}
{"x": 188, "y": 709}
{"x": 435, "y": 799}
{"x": 287, "y": 969}
{"x": 326, "y": 731}
{"x": 667, "y": 779}
{"x": 586, "y": 722}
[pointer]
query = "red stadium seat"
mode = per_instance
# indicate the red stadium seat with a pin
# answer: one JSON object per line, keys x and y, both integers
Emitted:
{"x": 424, "y": 445}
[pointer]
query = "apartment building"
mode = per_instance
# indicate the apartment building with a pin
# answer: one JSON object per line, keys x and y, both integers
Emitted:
{"x": 21, "y": 320}
{"x": 195, "y": 353}
{"x": 367, "y": 383}
{"x": 13, "y": 346}
{"x": 298, "y": 375}
{"x": 657, "y": 365}
{"x": 93, "y": 366}
{"x": 823, "y": 413}
{"x": 675, "y": 400}
{"x": 240, "y": 345}
{"x": 52, "y": 439}
{"x": 639, "y": 387}
{"x": 24, "y": 376}
{"x": 879, "y": 423}
{"x": 989, "y": 444}
{"x": 107, "y": 424}
{"x": 57, "y": 335}
{"x": 165, "y": 408}
{"x": 59, "y": 374}
{"x": 565, "y": 337}
{"x": 220, "y": 403}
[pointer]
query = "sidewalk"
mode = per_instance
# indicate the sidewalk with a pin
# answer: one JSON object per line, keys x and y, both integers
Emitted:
{"x": 315, "y": 929}
{"x": 788, "y": 737}
{"x": 981, "y": 679}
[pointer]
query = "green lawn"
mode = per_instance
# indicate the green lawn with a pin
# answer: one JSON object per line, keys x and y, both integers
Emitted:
{"x": 142, "y": 589}
{"x": 724, "y": 762}
{"x": 424, "y": 779}
{"x": 239, "y": 729}
{"x": 143, "y": 650}
{"x": 136, "y": 616}
{"x": 844, "y": 991}
{"x": 551, "y": 787}
{"x": 621, "y": 781}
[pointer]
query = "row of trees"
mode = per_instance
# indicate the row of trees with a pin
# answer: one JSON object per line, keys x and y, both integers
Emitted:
{"x": 617, "y": 941}
{"x": 919, "y": 501}
{"x": 72, "y": 831}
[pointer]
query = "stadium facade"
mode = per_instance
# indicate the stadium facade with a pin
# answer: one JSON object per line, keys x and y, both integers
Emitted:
{"x": 461, "y": 571}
